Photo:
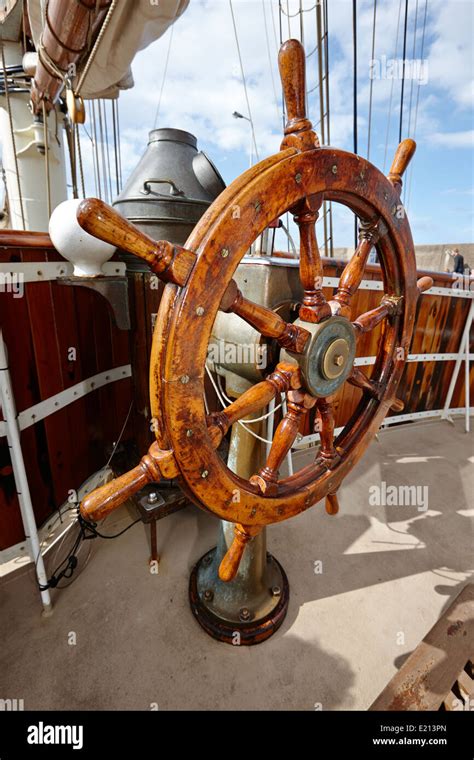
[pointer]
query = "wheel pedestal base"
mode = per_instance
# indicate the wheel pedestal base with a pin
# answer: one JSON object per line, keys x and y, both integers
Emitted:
{"x": 248, "y": 609}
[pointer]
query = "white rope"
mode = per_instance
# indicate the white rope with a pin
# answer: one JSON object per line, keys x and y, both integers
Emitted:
{"x": 225, "y": 400}
{"x": 93, "y": 52}
{"x": 229, "y": 401}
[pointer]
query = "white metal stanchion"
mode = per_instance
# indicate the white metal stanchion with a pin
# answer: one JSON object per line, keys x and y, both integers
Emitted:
{"x": 466, "y": 383}
{"x": 462, "y": 355}
{"x": 19, "y": 472}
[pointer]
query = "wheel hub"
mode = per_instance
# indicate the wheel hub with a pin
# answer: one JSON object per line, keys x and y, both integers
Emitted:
{"x": 328, "y": 356}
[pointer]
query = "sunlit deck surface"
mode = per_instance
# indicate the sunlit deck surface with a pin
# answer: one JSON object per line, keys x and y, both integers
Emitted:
{"x": 387, "y": 575}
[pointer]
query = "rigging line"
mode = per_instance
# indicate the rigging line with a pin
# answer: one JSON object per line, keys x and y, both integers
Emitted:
{"x": 301, "y": 10}
{"x": 308, "y": 92}
{"x": 400, "y": 130}
{"x": 288, "y": 17}
{"x": 270, "y": 61}
{"x": 275, "y": 39}
{"x": 413, "y": 64}
{"x": 302, "y": 42}
{"x": 12, "y": 135}
{"x": 280, "y": 24}
{"x": 319, "y": 38}
{"x": 114, "y": 130}
{"x": 354, "y": 79}
{"x": 102, "y": 152}
{"x": 354, "y": 45}
{"x": 165, "y": 72}
{"x": 319, "y": 45}
{"x": 328, "y": 111}
{"x": 96, "y": 149}
{"x": 326, "y": 78}
{"x": 372, "y": 80}
{"x": 46, "y": 158}
{"x": 69, "y": 127}
{"x": 391, "y": 89}
{"x": 91, "y": 138}
{"x": 243, "y": 80}
{"x": 417, "y": 98}
{"x": 411, "y": 88}
{"x": 107, "y": 147}
{"x": 79, "y": 156}
{"x": 117, "y": 110}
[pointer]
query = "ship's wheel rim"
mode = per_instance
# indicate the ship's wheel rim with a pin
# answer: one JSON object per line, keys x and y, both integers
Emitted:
{"x": 179, "y": 350}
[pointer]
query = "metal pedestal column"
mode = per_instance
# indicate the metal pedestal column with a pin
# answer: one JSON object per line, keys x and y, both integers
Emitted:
{"x": 250, "y": 608}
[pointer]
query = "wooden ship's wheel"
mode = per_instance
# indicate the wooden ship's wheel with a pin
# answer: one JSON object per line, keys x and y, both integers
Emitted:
{"x": 317, "y": 351}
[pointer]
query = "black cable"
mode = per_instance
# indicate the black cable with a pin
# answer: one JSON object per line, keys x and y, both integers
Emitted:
{"x": 403, "y": 71}
{"x": 87, "y": 531}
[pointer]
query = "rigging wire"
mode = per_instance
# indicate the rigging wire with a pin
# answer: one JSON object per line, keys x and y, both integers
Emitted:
{"x": 400, "y": 130}
{"x": 102, "y": 153}
{"x": 91, "y": 138}
{"x": 301, "y": 10}
{"x": 106, "y": 131}
{"x": 244, "y": 81}
{"x": 417, "y": 98}
{"x": 391, "y": 89}
{"x": 116, "y": 147}
{"x": 280, "y": 26}
{"x": 270, "y": 61}
{"x": 374, "y": 22}
{"x": 12, "y": 136}
{"x": 95, "y": 147}
{"x": 413, "y": 63}
{"x": 354, "y": 45}
{"x": 301, "y": 23}
{"x": 354, "y": 77}
{"x": 117, "y": 112}
{"x": 165, "y": 72}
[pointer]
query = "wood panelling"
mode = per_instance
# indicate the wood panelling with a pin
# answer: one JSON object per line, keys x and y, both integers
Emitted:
{"x": 39, "y": 330}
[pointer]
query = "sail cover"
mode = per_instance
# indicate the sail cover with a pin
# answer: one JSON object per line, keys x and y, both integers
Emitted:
{"x": 133, "y": 25}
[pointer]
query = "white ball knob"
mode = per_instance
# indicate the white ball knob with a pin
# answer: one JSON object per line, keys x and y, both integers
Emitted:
{"x": 86, "y": 252}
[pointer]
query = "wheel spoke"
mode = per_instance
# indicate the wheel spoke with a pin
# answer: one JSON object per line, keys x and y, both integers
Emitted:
{"x": 332, "y": 504}
{"x": 360, "y": 380}
{"x": 231, "y": 560}
{"x": 285, "y": 377}
{"x": 325, "y": 425}
{"x": 389, "y": 307}
{"x": 298, "y": 405}
{"x": 266, "y": 321}
{"x": 353, "y": 273}
{"x": 315, "y": 308}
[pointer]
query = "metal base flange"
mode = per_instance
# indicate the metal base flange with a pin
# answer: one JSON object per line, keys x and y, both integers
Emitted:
{"x": 247, "y": 610}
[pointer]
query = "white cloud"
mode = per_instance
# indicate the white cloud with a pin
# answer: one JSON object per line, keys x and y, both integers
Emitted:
{"x": 453, "y": 139}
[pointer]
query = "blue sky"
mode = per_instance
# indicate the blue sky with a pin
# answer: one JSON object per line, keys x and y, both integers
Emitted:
{"x": 204, "y": 86}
